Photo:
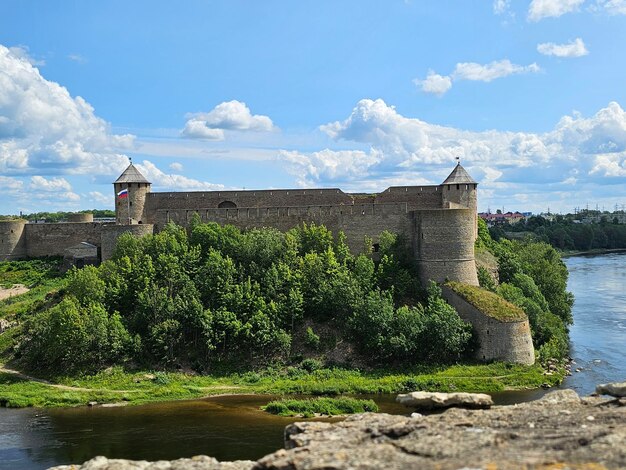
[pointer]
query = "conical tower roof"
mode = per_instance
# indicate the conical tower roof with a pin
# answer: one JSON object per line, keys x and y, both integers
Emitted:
{"x": 459, "y": 176}
{"x": 132, "y": 175}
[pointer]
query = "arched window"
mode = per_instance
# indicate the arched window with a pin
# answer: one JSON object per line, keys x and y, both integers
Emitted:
{"x": 227, "y": 205}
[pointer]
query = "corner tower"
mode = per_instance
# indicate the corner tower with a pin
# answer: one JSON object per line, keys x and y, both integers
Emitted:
{"x": 459, "y": 191}
{"x": 130, "y": 190}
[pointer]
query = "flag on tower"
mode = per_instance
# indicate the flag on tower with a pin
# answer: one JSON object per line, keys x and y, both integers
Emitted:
{"x": 123, "y": 193}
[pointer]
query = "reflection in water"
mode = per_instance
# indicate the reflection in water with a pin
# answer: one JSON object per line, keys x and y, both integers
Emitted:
{"x": 231, "y": 428}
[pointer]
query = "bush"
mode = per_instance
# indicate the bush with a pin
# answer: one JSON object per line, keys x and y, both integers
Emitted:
{"x": 320, "y": 406}
{"x": 312, "y": 340}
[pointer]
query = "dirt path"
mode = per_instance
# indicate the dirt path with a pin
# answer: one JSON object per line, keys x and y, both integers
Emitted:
{"x": 6, "y": 292}
{"x": 19, "y": 374}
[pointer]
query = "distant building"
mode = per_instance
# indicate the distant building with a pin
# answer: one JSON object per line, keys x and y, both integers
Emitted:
{"x": 501, "y": 219}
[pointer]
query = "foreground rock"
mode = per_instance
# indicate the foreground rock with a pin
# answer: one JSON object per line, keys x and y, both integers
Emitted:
{"x": 561, "y": 430}
{"x": 430, "y": 400}
{"x": 201, "y": 462}
{"x": 617, "y": 389}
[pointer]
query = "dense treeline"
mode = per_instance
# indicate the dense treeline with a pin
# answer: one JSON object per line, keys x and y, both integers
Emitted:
{"x": 532, "y": 276}
{"x": 52, "y": 217}
{"x": 215, "y": 295}
{"x": 565, "y": 234}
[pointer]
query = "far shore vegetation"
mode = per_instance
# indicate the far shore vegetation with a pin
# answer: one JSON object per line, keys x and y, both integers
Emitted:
{"x": 209, "y": 310}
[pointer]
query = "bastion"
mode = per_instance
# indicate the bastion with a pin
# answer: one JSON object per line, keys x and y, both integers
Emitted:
{"x": 438, "y": 222}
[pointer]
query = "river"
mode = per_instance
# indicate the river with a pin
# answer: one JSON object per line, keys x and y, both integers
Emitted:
{"x": 232, "y": 427}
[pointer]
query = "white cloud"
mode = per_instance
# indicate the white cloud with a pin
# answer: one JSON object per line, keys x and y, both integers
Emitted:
{"x": 44, "y": 127}
{"x": 39, "y": 183}
{"x": 490, "y": 71}
{"x": 77, "y": 58}
{"x": 613, "y": 7}
{"x": 10, "y": 184}
{"x": 228, "y": 116}
{"x": 540, "y": 9}
{"x": 178, "y": 167}
{"x": 329, "y": 165}
{"x": 197, "y": 129}
{"x": 440, "y": 84}
{"x": 578, "y": 152}
{"x": 23, "y": 53}
{"x": 434, "y": 83}
{"x": 162, "y": 180}
{"x": 99, "y": 198}
{"x": 575, "y": 48}
{"x": 501, "y": 6}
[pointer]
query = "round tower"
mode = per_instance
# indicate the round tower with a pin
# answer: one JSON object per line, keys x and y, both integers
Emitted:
{"x": 130, "y": 190}
{"x": 458, "y": 191}
{"x": 12, "y": 239}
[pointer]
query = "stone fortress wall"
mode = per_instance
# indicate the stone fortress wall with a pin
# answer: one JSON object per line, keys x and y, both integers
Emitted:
{"x": 439, "y": 222}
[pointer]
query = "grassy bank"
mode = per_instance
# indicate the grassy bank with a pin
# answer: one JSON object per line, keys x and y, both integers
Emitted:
{"x": 119, "y": 386}
{"x": 311, "y": 407}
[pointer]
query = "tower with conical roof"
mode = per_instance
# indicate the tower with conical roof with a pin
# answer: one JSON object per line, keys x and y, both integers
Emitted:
{"x": 459, "y": 190}
{"x": 131, "y": 190}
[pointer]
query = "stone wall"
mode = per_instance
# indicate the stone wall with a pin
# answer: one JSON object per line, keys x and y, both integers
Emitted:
{"x": 12, "y": 240}
{"x": 53, "y": 239}
{"x": 110, "y": 234}
{"x": 498, "y": 340}
{"x": 356, "y": 221}
{"x": 444, "y": 245}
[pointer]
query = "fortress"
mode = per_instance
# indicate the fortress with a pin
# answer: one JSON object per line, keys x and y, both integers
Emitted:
{"x": 439, "y": 222}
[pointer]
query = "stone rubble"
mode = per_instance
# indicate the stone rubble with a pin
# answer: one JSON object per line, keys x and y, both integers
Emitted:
{"x": 431, "y": 400}
{"x": 617, "y": 389}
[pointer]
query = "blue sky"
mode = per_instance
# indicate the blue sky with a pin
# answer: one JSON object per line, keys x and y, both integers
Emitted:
{"x": 360, "y": 95}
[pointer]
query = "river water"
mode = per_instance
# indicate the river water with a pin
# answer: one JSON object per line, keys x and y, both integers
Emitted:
{"x": 232, "y": 427}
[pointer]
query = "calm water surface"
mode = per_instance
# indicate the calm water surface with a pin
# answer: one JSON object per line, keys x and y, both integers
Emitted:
{"x": 598, "y": 336}
{"x": 231, "y": 428}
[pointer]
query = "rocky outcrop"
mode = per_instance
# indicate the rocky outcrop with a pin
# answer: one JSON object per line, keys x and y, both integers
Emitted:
{"x": 431, "y": 400}
{"x": 201, "y": 462}
{"x": 561, "y": 430}
{"x": 617, "y": 389}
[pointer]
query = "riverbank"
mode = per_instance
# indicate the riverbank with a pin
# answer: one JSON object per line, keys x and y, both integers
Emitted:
{"x": 599, "y": 251}
{"x": 560, "y": 430}
{"x": 116, "y": 386}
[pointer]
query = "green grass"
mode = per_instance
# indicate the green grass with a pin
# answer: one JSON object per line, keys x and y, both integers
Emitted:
{"x": 310, "y": 407}
{"x": 117, "y": 385}
{"x": 489, "y": 303}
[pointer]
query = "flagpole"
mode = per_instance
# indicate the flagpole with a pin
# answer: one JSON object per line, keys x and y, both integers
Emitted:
{"x": 128, "y": 202}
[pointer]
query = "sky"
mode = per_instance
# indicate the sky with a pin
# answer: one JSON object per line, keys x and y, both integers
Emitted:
{"x": 357, "y": 94}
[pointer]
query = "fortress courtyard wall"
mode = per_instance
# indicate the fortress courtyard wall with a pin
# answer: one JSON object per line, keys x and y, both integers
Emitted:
{"x": 53, "y": 239}
{"x": 356, "y": 221}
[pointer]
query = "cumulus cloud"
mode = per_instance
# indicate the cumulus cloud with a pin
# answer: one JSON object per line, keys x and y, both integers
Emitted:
{"x": 577, "y": 151}
{"x": 23, "y": 53}
{"x": 228, "y": 116}
{"x": 540, "y": 9}
{"x": 490, "y": 71}
{"x": 99, "y": 198}
{"x": 10, "y": 184}
{"x": 162, "y": 180}
{"x": 42, "y": 126}
{"x": 329, "y": 165}
{"x": 434, "y": 83}
{"x": 575, "y": 48}
{"x": 176, "y": 167}
{"x": 39, "y": 183}
{"x": 613, "y": 7}
{"x": 52, "y": 189}
{"x": 440, "y": 84}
